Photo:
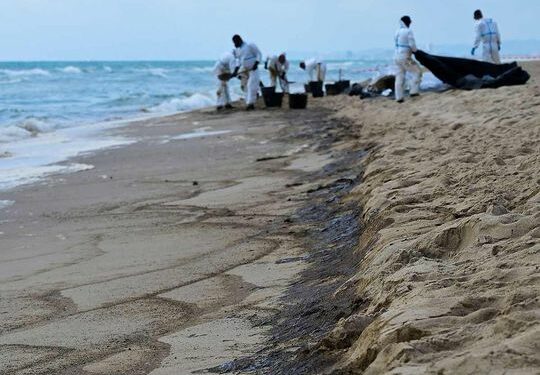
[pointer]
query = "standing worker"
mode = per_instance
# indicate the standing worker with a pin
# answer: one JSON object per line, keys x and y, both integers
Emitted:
{"x": 278, "y": 66}
{"x": 316, "y": 69}
{"x": 405, "y": 47}
{"x": 250, "y": 56}
{"x": 487, "y": 33}
{"x": 223, "y": 71}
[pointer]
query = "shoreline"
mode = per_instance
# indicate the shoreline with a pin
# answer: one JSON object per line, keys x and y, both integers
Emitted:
{"x": 162, "y": 251}
{"x": 357, "y": 237}
{"x": 101, "y": 131}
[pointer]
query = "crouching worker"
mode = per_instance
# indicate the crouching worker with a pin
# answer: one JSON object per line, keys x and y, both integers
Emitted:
{"x": 278, "y": 66}
{"x": 223, "y": 71}
{"x": 405, "y": 47}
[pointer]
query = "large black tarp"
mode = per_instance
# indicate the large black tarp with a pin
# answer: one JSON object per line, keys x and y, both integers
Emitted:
{"x": 472, "y": 74}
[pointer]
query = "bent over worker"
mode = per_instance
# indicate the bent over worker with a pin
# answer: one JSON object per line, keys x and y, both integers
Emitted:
{"x": 223, "y": 71}
{"x": 278, "y": 66}
{"x": 315, "y": 69}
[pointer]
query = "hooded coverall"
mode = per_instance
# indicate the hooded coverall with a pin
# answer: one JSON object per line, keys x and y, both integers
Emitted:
{"x": 405, "y": 46}
{"x": 241, "y": 75}
{"x": 223, "y": 66}
{"x": 487, "y": 33}
{"x": 249, "y": 54}
{"x": 278, "y": 70}
{"x": 316, "y": 70}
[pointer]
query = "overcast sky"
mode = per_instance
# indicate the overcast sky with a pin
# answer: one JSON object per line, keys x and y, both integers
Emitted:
{"x": 201, "y": 29}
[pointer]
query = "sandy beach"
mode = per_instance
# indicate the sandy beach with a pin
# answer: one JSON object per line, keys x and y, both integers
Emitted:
{"x": 356, "y": 237}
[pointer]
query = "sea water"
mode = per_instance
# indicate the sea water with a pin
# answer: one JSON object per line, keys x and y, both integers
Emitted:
{"x": 52, "y": 111}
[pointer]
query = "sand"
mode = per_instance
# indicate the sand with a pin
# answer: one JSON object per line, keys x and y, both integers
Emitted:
{"x": 160, "y": 258}
{"x": 358, "y": 237}
{"x": 449, "y": 277}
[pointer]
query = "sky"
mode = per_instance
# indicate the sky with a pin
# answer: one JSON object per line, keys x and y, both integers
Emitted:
{"x": 202, "y": 29}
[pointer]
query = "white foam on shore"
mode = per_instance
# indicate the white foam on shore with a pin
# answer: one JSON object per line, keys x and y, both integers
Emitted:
{"x": 34, "y": 158}
{"x": 29, "y": 175}
{"x": 195, "y": 101}
{"x": 200, "y": 133}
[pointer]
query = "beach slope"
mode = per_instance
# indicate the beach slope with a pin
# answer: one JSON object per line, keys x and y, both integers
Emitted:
{"x": 448, "y": 261}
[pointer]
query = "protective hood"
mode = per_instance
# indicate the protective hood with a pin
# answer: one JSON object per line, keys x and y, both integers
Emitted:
{"x": 226, "y": 58}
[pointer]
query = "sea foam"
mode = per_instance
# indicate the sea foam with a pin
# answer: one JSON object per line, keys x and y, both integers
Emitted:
{"x": 25, "y": 72}
{"x": 71, "y": 70}
{"x": 194, "y": 101}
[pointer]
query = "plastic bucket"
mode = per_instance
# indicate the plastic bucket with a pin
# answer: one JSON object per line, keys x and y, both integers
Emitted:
{"x": 333, "y": 89}
{"x": 316, "y": 88}
{"x": 271, "y": 97}
{"x": 298, "y": 101}
{"x": 344, "y": 85}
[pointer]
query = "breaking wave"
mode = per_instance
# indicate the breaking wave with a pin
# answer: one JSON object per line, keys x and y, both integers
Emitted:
{"x": 25, "y": 72}
{"x": 71, "y": 70}
{"x": 195, "y": 101}
{"x": 27, "y": 128}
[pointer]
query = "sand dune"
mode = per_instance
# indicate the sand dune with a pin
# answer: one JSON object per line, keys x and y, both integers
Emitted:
{"x": 451, "y": 199}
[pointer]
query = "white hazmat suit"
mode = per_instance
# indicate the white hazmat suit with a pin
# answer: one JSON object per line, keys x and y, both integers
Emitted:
{"x": 241, "y": 75}
{"x": 405, "y": 46}
{"x": 224, "y": 66}
{"x": 316, "y": 70}
{"x": 278, "y": 70}
{"x": 487, "y": 33}
{"x": 249, "y": 54}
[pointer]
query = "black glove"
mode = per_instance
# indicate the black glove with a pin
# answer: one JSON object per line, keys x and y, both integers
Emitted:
{"x": 256, "y": 65}
{"x": 266, "y": 65}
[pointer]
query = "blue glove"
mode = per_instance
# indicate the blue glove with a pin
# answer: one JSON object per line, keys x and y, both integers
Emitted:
{"x": 473, "y": 51}
{"x": 499, "y": 46}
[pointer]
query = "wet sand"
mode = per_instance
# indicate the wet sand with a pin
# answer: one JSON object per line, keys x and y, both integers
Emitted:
{"x": 161, "y": 259}
{"x": 358, "y": 237}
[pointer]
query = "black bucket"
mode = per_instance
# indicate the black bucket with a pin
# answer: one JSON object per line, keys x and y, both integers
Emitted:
{"x": 344, "y": 85}
{"x": 271, "y": 97}
{"x": 333, "y": 89}
{"x": 316, "y": 88}
{"x": 298, "y": 101}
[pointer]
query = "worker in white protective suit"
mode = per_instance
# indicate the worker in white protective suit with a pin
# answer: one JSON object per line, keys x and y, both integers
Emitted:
{"x": 405, "y": 47}
{"x": 278, "y": 66}
{"x": 487, "y": 33}
{"x": 250, "y": 57}
{"x": 223, "y": 70}
{"x": 315, "y": 69}
{"x": 243, "y": 77}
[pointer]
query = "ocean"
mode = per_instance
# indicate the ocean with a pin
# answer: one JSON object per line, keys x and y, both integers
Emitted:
{"x": 52, "y": 111}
